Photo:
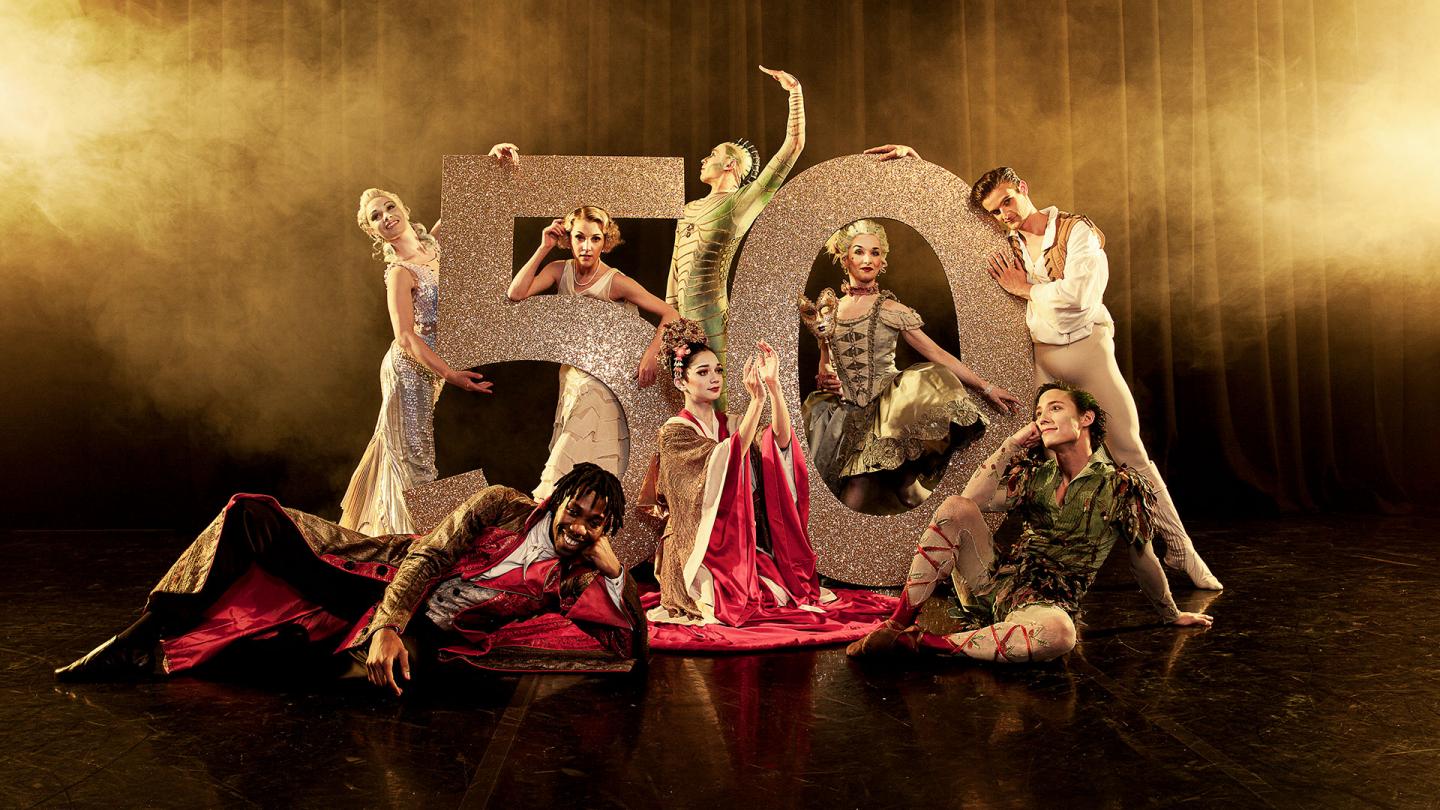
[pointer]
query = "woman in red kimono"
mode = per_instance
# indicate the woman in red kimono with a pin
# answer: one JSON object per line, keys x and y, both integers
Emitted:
{"x": 735, "y": 546}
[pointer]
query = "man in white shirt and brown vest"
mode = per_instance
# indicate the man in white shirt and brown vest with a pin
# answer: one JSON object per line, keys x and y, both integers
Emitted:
{"x": 1057, "y": 263}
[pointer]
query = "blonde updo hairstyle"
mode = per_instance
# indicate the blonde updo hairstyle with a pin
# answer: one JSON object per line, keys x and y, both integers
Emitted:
{"x": 384, "y": 250}
{"x": 838, "y": 245}
{"x": 599, "y": 216}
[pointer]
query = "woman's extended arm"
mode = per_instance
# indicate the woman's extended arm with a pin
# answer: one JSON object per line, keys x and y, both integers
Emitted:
{"x": 1002, "y": 400}
{"x": 629, "y": 290}
{"x": 400, "y": 284}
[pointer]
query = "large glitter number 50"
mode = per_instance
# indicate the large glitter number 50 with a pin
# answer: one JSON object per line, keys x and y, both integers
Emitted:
{"x": 481, "y": 200}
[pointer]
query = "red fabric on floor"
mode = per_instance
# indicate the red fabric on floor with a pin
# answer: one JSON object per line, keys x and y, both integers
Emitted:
{"x": 548, "y": 631}
{"x": 853, "y": 614}
{"x": 255, "y": 605}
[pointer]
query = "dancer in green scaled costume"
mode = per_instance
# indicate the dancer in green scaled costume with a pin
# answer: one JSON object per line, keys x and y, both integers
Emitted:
{"x": 710, "y": 230}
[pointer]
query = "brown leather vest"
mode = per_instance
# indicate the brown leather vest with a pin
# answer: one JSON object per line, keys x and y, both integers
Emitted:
{"x": 1055, "y": 254}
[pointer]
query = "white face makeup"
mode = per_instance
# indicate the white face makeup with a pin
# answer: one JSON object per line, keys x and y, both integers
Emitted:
{"x": 704, "y": 377}
{"x": 712, "y": 166}
{"x": 865, "y": 258}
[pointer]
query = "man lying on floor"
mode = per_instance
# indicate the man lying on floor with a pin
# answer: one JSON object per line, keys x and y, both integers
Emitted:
{"x": 502, "y": 583}
{"x": 1075, "y": 507}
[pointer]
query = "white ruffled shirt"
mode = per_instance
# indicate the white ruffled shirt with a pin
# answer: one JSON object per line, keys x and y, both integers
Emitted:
{"x": 1064, "y": 311}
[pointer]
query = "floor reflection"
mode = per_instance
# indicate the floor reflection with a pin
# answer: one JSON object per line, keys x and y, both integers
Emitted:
{"x": 1316, "y": 687}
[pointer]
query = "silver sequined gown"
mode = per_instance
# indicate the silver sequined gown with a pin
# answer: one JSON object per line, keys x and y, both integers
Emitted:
{"x": 401, "y": 454}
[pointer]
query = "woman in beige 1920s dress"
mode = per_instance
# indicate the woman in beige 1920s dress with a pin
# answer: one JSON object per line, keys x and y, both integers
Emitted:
{"x": 589, "y": 424}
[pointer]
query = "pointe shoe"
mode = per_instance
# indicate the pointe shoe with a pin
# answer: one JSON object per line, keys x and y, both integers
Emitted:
{"x": 112, "y": 661}
{"x": 1199, "y": 573}
{"x": 886, "y": 640}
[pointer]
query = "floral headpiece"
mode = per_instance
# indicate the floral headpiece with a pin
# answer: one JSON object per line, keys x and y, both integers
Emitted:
{"x": 839, "y": 242}
{"x": 677, "y": 339}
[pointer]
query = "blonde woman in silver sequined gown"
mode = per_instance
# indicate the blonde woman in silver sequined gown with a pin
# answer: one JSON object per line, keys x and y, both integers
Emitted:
{"x": 878, "y": 435}
{"x": 589, "y": 423}
{"x": 401, "y": 454}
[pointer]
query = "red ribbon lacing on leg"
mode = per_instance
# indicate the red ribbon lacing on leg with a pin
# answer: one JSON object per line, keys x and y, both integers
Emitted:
{"x": 1002, "y": 644}
{"x": 924, "y": 551}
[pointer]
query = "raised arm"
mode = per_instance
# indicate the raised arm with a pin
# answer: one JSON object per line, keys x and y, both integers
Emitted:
{"x": 984, "y": 487}
{"x": 750, "y": 421}
{"x": 779, "y": 412}
{"x": 399, "y": 287}
{"x": 753, "y": 196}
{"x": 532, "y": 280}
{"x": 1001, "y": 399}
{"x": 630, "y": 291}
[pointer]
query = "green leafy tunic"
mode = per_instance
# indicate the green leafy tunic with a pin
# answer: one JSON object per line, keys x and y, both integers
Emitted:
{"x": 1063, "y": 544}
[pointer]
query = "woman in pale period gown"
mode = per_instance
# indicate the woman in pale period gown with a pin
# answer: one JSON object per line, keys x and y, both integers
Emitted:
{"x": 401, "y": 454}
{"x": 589, "y": 424}
{"x": 880, "y": 436}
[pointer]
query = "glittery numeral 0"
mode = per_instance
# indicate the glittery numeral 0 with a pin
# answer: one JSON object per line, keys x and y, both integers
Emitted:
{"x": 775, "y": 265}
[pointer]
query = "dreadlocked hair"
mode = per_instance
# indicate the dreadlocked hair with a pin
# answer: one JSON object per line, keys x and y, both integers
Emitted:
{"x": 587, "y": 477}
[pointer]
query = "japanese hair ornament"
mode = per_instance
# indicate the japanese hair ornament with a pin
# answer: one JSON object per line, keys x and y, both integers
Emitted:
{"x": 678, "y": 340}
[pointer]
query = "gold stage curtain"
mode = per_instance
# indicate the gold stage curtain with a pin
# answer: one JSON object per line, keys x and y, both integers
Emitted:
{"x": 188, "y": 175}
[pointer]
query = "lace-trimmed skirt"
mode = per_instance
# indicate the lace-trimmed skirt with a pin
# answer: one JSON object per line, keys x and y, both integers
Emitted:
{"x": 923, "y": 414}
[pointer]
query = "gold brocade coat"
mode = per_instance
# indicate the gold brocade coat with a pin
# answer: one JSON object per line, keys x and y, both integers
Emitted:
{"x": 409, "y": 563}
{"x": 684, "y": 455}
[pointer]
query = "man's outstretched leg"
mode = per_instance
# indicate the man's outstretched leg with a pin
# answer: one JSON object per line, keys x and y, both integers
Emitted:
{"x": 256, "y": 532}
{"x": 1031, "y": 634}
{"x": 957, "y": 540}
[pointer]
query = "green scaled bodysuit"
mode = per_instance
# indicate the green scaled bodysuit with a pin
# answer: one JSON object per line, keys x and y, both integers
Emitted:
{"x": 710, "y": 230}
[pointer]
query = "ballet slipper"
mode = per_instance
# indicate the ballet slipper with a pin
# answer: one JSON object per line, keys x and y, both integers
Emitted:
{"x": 886, "y": 640}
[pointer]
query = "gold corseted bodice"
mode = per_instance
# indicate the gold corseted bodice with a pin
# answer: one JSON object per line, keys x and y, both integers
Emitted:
{"x": 863, "y": 348}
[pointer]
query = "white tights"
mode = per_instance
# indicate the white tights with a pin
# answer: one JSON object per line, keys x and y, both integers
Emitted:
{"x": 1090, "y": 364}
